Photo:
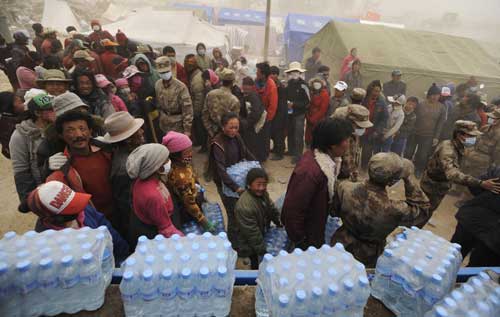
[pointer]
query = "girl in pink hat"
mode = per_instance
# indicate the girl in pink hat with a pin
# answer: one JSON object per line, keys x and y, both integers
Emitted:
{"x": 181, "y": 180}
{"x": 110, "y": 89}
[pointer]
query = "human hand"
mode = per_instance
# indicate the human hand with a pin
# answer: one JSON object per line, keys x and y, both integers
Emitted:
{"x": 57, "y": 161}
{"x": 492, "y": 185}
{"x": 240, "y": 190}
{"x": 408, "y": 169}
{"x": 210, "y": 227}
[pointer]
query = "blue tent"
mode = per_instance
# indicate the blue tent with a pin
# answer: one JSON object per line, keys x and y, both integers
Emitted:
{"x": 241, "y": 17}
{"x": 208, "y": 10}
{"x": 299, "y": 28}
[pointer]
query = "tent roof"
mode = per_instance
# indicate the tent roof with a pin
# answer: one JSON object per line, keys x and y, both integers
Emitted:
{"x": 58, "y": 15}
{"x": 419, "y": 51}
{"x": 159, "y": 28}
{"x": 311, "y": 23}
{"x": 239, "y": 16}
{"x": 208, "y": 10}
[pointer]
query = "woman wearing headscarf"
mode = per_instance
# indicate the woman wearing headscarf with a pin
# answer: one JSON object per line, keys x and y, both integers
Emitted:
{"x": 218, "y": 59}
{"x": 228, "y": 148}
{"x": 318, "y": 106}
{"x": 97, "y": 100}
{"x": 11, "y": 113}
{"x": 202, "y": 59}
{"x": 182, "y": 181}
{"x": 151, "y": 201}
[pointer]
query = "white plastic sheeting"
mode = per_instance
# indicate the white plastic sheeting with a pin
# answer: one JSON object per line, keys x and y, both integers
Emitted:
{"x": 58, "y": 15}
{"x": 180, "y": 29}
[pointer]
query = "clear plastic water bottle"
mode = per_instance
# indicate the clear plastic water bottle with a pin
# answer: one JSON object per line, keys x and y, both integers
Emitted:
{"x": 168, "y": 292}
{"x": 332, "y": 303}
{"x": 186, "y": 292}
{"x": 222, "y": 292}
{"x": 47, "y": 283}
{"x": 129, "y": 289}
{"x": 89, "y": 278}
{"x": 283, "y": 306}
{"x": 261, "y": 309}
{"x": 316, "y": 303}
{"x": 69, "y": 279}
{"x": 26, "y": 284}
{"x": 204, "y": 289}
{"x": 300, "y": 304}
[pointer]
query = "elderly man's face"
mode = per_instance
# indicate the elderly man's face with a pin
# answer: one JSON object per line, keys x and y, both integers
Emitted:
{"x": 76, "y": 134}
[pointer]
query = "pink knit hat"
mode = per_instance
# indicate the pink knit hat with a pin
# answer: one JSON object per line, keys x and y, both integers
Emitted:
{"x": 176, "y": 142}
{"x": 120, "y": 82}
{"x": 101, "y": 81}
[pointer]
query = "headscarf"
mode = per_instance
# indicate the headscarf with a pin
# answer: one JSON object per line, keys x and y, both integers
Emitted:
{"x": 145, "y": 160}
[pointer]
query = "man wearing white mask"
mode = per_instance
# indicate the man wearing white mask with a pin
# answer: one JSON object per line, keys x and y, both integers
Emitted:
{"x": 443, "y": 168}
{"x": 298, "y": 98}
{"x": 359, "y": 118}
{"x": 201, "y": 57}
{"x": 173, "y": 100}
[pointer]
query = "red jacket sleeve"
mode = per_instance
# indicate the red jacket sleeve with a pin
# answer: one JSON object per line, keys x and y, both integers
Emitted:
{"x": 159, "y": 215}
{"x": 273, "y": 99}
{"x": 320, "y": 109}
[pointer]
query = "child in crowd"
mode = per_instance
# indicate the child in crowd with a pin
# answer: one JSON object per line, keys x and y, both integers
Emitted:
{"x": 396, "y": 118}
{"x": 110, "y": 89}
{"x": 407, "y": 128}
{"x": 254, "y": 212}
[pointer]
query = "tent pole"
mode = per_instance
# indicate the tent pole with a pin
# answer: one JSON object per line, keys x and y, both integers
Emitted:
{"x": 266, "y": 36}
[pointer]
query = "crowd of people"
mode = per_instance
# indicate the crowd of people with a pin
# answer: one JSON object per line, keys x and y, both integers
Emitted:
{"x": 100, "y": 131}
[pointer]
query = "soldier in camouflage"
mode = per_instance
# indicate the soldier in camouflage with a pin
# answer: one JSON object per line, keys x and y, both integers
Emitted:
{"x": 359, "y": 117}
{"x": 218, "y": 102}
{"x": 486, "y": 152}
{"x": 367, "y": 212}
{"x": 443, "y": 168}
{"x": 173, "y": 100}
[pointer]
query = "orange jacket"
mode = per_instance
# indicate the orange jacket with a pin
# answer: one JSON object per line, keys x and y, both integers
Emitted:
{"x": 269, "y": 96}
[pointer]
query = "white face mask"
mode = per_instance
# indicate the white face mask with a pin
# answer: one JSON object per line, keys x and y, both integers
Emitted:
{"x": 96, "y": 28}
{"x": 238, "y": 65}
{"x": 166, "y": 168}
{"x": 359, "y": 131}
{"x": 470, "y": 141}
{"x": 294, "y": 75}
{"x": 491, "y": 120}
{"x": 201, "y": 52}
{"x": 317, "y": 86}
{"x": 126, "y": 90}
{"x": 166, "y": 76}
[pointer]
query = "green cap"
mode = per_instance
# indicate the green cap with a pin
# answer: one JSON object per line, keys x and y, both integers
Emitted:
{"x": 41, "y": 102}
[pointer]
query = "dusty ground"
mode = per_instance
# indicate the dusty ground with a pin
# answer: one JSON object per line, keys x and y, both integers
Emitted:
{"x": 443, "y": 221}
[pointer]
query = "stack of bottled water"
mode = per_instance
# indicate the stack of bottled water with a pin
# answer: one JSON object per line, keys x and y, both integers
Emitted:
{"x": 54, "y": 272}
{"x": 479, "y": 297}
{"x": 179, "y": 276}
{"x": 213, "y": 213}
{"x": 238, "y": 173}
{"x": 276, "y": 240}
{"x": 316, "y": 282}
{"x": 415, "y": 271}
{"x": 332, "y": 225}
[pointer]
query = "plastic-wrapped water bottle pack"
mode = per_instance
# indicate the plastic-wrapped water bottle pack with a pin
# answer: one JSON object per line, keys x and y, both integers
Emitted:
{"x": 238, "y": 173}
{"x": 54, "y": 272}
{"x": 179, "y": 276}
{"x": 213, "y": 213}
{"x": 276, "y": 240}
{"x": 332, "y": 225}
{"x": 316, "y": 282}
{"x": 415, "y": 271}
{"x": 479, "y": 297}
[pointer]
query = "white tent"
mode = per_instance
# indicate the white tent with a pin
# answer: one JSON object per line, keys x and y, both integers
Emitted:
{"x": 58, "y": 15}
{"x": 180, "y": 29}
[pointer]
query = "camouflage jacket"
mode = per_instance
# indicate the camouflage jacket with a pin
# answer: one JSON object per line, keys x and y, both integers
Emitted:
{"x": 369, "y": 216}
{"x": 181, "y": 181}
{"x": 351, "y": 160}
{"x": 174, "y": 103}
{"x": 444, "y": 165}
{"x": 488, "y": 144}
{"x": 197, "y": 90}
{"x": 217, "y": 103}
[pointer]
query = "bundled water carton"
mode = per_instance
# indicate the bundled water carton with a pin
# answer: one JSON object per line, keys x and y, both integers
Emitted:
{"x": 238, "y": 173}
{"x": 54, "y": 272}
{"x": 415, "y": 271}
{"x": 479, "y": 297}
{"x": 276, "y": 240}
{"x": 316, "y": 282}
{"x": 213, "y": 213}
{"x": 179, "y": 276}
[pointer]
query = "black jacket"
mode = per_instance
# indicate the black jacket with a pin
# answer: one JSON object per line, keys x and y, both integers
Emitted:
{"x": 297, "y": 93}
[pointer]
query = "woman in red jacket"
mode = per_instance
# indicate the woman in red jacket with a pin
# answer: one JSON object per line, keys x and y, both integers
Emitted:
{"x": 318, "y": 106}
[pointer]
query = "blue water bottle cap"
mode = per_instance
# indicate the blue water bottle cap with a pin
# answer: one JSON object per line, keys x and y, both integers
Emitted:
{"x": 128, "y": 275}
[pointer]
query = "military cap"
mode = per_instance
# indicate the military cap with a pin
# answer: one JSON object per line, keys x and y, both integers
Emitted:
{"x": 163, "y": 64}
{"x": 384, "y": 167}
{"x": 358, "y": 93}
{"x": 467, "y": 127}
{"x": 83, "y": 54}
{"x": 227, "y": 74}
{"x": 495, "y": 114}
{"x": 359, "y": 115}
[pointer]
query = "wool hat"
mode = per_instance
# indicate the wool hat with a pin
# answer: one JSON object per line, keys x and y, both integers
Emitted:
{"x": 467, "y": 127}
{"x": 396, "y": 72}
{"x": 121, "y": 126}
{"x": 176, "y": 142}
{"x": 66, "y": 102}
{"x": 102, "y": 81}
{"x": 433, "y": 90}
{"x": 120, "y": 82}
{"x": 295, "y": 67}
{"x": 445, "y": 91}
{"x": 145, "y": 160}
{"x": 57, "y": 198}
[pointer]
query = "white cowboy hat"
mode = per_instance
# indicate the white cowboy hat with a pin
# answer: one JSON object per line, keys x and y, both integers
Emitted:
{"x": 120, "y": 126}
{"x": 295, "y": 67}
